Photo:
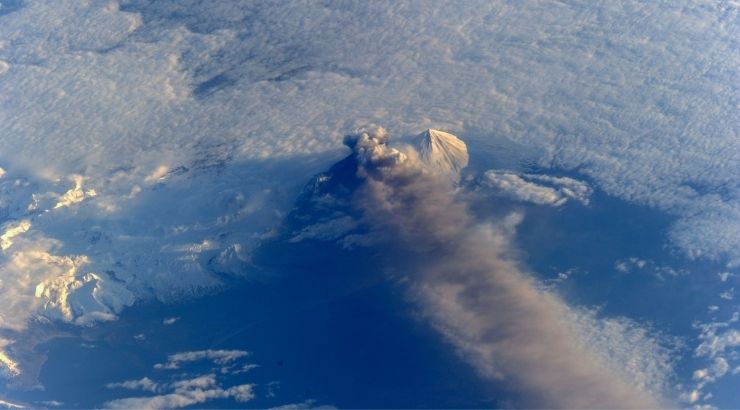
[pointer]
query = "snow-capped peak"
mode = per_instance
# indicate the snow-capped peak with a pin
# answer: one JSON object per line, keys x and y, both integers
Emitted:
{"x": 443, "y": 152}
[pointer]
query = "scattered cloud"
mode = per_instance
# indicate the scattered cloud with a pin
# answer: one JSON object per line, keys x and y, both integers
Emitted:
{"x": 728, "y": 294}
{"x": 714, "y": 343}
{"x": 724, "y": 276}
{"x": 236, "y": 370}
{"x": 305, "y": 405}
{"x": 185, "y": 393}
{"x": 220, "y": 357}
{"x": 145, "y": 384}
{"x": 719, "y": 342}
{"x": 4, "y": 404}
{"x": 708, "y": 375}
{"x": 185, "y": 390}
{"x": 170, "y": 321}
{"x": 634, "y": 264}
{"x": 52, "y": 403}
{"x": 272, "y": 387}
{"x": 561, "y": 277}
{"x": 538, "y": 189}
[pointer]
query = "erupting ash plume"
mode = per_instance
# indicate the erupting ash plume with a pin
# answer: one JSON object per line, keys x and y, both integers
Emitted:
{"x": 472, "y": 292}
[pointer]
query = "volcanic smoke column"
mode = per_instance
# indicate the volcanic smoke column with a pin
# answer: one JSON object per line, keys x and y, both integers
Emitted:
{"x": 472, "y": 293}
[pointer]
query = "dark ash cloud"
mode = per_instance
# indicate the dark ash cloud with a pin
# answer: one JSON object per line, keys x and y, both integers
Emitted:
{"x": 473, "y": 292}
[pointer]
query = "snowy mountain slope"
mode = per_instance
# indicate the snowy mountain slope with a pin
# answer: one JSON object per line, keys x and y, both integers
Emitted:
{"x": 442, "y": 152}
{"x": 85, "y": 261}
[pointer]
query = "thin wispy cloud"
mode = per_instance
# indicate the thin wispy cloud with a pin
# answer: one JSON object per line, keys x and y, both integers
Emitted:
{"x": 719, "y": 343}
{"x": 185, "y": 393}
{"x": 538, "y": 189}
{"x": 186, "y": 390}
{"x": 219, "y": 357}
{"x": 145, "y": 384}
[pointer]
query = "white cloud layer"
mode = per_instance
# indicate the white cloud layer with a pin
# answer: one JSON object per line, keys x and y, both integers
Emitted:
{"x": 4, "y": 404}
{"x": 538, "y": 189}
{"x": 145, "y": 384}
{"x": 186, "y": 391}
{"x": 112, "y": 118}
{"x": 180, "y": 394}
{"x": 219, "y": 357}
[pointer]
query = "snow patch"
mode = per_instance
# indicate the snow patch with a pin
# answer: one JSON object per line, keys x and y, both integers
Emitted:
{"x": 158, "y": 174}
{"x": 73, "y": 297}
{"x": 76, "y": 194}
{"x": 234, "y": 260}
{"x": 12, "y": 230}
